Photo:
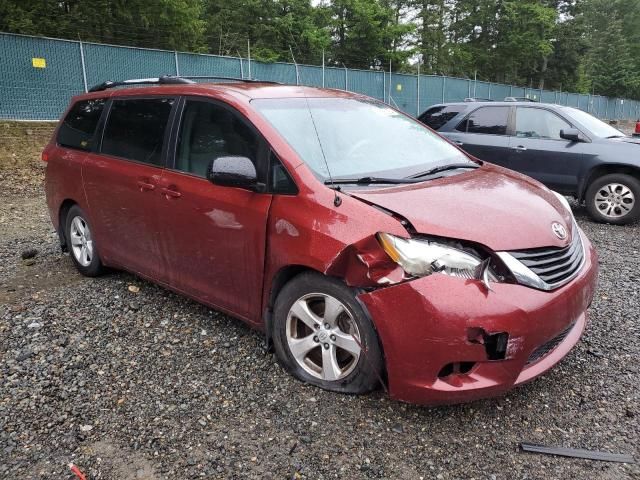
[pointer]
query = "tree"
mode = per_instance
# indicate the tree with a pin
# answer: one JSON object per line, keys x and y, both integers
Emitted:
{"x": 171, "y": 24}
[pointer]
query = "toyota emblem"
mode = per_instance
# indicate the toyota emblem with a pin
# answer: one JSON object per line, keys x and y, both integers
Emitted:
{"x": 559, "y": 230}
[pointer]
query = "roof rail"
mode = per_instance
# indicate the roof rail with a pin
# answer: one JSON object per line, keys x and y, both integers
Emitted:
{"x": 519, "y": 99}
{"x": 477, "y": 99}
{"x": 169, "y": 80}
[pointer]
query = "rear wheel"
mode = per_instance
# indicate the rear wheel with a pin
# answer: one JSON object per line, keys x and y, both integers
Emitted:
{"x": 614, "y": 198}
{"x": 81, "y": 243}
{"x": 323, "y": 337}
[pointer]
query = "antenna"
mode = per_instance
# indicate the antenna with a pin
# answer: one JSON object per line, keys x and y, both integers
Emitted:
{"x": 337, "y": 201}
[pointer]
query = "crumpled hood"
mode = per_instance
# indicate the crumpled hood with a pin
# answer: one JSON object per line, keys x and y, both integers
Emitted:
{"x": 491, "y": 205}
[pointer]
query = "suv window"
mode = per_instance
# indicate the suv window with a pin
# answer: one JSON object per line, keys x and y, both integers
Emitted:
{"x": 135, "y": 129}
{"x": 79, "y": 126}
{"x": 209, "y": 131}
{"x": 436, "y": 117}
{"x": 487, "y": 120}
{"x": 538, "y": 123}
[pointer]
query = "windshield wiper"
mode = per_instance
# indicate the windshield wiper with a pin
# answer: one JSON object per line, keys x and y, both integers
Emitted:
{"x": 616, "y": 136}
{"x": 369, "y": 181}
{"x": 443, "y": 168}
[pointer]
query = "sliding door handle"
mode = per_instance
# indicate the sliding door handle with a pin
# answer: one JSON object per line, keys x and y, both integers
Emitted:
{"x": 519, "y": 148}
{"x": 171, "y": 193}
{"x": 145, "y": 186}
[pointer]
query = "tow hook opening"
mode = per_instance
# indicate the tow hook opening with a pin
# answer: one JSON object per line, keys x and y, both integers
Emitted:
{"x": 456, "y": 368}
{"x": 495, "y": 344}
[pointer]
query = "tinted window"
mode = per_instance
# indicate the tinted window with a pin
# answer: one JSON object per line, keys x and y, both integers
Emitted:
{"x": 135, "y": 129}
{"x": 487, "y": 120}
{"x": 208, "y": 131}
{"x": 436, "y": 117}
{"x": 538, "y": 123}
{"x": 79, "y": 126}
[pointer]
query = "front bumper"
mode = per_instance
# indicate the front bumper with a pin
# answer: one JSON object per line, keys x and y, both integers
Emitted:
{"x": 432, "y": 322}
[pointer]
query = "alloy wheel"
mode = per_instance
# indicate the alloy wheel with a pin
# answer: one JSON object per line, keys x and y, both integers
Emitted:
{"x": 323, "y": 337}
{"x": 81, "y": 242}
{"x": 614, "y": 200}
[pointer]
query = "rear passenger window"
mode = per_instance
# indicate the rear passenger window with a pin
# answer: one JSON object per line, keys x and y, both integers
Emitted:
{"x": 135, "y": 129}
{"x": 487, "y": 120}
{"x": 79, "y": 126}
{"x": 436, "y": 117}
{"x": 209, "y": 131}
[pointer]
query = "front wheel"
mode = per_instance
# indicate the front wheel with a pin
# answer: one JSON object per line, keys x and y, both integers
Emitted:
{"x": 323, "y": 337}
{"x": 614, "y": 198}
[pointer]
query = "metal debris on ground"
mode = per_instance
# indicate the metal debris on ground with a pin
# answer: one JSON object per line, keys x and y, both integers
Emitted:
{"x": 577, "y": 453}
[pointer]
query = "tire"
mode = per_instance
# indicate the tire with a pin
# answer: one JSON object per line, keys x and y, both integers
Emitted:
{"x": 614, "y": 198}
{"x": 82, "y": 247}
{"x": 350, "y": 328}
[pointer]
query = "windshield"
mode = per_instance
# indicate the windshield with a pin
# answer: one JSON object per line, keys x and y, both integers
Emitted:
{"x": 595, "y": 126}
{"x": 357, "y": 137}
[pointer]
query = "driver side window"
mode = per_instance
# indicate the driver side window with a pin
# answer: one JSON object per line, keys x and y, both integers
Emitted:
{"x": 539, "y": 123}
{"x": 208, "y": 131}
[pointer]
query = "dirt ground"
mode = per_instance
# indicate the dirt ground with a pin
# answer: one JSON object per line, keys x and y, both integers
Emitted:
{"x": 150, "y": 385}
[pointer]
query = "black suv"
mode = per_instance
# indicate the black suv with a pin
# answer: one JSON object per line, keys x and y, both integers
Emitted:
{"x": 565, "y": 148}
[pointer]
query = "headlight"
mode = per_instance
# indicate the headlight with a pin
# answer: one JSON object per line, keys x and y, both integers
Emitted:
{"x": 419, "y": 258}
{"x": 563, "y": 201}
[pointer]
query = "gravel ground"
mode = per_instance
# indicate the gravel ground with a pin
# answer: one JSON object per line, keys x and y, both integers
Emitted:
{"x": 150, "y": 385}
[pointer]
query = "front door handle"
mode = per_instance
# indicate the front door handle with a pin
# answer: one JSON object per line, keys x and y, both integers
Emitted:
{"x": 145, "y": 185}
{"x": 519, "y": 148}
{"x": 171, "y": 193}
{"x": 458, "y": 143}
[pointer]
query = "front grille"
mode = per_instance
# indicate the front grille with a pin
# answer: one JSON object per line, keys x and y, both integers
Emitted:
{"x": 546, "y": 348}
{"x": 555, "y": 266}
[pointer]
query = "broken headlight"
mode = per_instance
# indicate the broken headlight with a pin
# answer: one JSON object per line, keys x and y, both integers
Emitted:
{"x": 421, "y": 257}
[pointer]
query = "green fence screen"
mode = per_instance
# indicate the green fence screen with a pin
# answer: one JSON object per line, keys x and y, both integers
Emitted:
{"x": 39, "y": 75}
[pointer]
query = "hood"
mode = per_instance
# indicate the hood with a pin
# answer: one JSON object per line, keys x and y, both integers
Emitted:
{"x": 492, "y": 206}
{"x": 635, "y": 140}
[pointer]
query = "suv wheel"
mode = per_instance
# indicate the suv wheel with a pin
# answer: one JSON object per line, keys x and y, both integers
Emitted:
{"x": 323, "y": 337}
{"x": 81, "y": 244}
{"x": 614, "y": 198}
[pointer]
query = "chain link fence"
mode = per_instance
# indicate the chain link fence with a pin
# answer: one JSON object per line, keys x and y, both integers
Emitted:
{"x": 39, "y": 75}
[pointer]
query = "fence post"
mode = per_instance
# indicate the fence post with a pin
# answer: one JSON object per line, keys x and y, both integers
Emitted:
{"x": 346, "y": 78}
{"x": 418, "y": 91}
{"x": 84, "y": 70}
{"x": 241, "y": 68}
{"x": 444, "y": 81}
{"x": 175, "y": 58}
{"x": 384, "y": 87}
{"x": 490, "y": 90}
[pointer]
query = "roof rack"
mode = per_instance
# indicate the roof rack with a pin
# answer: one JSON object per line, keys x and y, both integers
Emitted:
{"x": 477, "y": 99}
{"x": 169, "y": 80}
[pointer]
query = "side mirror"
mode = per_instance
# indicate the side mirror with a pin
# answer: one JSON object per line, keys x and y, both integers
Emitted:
{"x": 571, "y": 134}
{"x": 232, "y": 171}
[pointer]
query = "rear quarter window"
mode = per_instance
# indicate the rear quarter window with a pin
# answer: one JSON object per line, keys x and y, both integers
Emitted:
{"x": 437, "y": 117}
{"x": 79, "y": 126}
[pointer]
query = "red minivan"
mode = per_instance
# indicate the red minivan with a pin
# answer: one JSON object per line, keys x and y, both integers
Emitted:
{"x": 368, "y": 249}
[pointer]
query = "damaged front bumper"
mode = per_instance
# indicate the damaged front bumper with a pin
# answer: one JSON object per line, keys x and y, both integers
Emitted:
{"x": 449, "y": 340}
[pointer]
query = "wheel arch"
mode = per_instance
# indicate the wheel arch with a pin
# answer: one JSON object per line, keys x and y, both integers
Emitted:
{"x": 606, "y": 169}
{"x": 63, "y": 211}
